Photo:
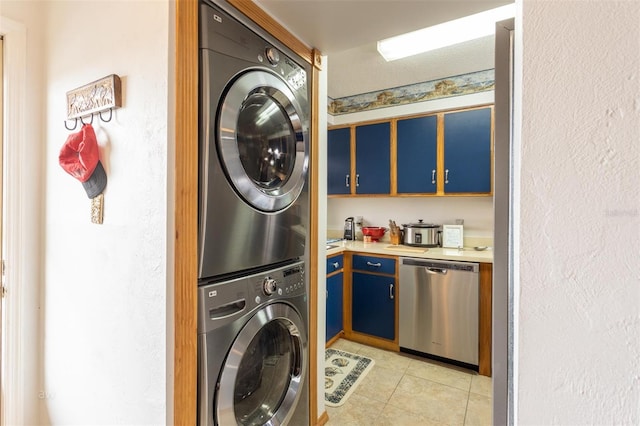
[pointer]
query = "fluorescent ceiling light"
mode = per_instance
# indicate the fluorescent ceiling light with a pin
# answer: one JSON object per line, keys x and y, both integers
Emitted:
{"x": 446, "y": 34}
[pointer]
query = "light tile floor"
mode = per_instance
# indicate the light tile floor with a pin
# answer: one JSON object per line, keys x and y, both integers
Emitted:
{"x": 402, "y": 389}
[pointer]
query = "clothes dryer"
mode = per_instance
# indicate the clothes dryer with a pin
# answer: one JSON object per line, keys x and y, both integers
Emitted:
{"x": 253, "y": 349}
{"x": 254, "y": 146}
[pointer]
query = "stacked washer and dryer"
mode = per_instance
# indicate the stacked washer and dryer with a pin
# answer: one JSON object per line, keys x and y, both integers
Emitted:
{"x": 253, "y": 225}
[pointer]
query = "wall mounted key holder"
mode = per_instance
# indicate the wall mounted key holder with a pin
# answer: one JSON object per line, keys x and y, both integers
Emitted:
{"x": 94, "y": 98}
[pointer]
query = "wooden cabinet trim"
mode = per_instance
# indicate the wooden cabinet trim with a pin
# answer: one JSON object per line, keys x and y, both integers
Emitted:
{"x": 393, "y": 157}
{"x": 484, "y": 332}
{"x": 352, "y": 173}
{"x": 440, "y": 155}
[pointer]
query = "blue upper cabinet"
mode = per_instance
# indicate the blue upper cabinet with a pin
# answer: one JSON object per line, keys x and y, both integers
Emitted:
{"x": 373, "y": 158}
{"x": 444, "y": 153}
{"x": 417, "y": 140}
{"x": 467, "y": 151}
{"x": 339, "y": 161}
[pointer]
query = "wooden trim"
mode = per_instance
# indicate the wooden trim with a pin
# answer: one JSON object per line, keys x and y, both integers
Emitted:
{"x": 352, "y": 146}
{"x": 484, "y": 332}
{"x": 440, "y": 155}
{"x": 317, "y": 60}
{"x": 323, "y": 419}
{"x": 334, "y": 339}
{"x": 393, "y": 155}
{"x": 376, "y": 342}
{"x": 186, "y": 213}
{"x": 266, "y": 22}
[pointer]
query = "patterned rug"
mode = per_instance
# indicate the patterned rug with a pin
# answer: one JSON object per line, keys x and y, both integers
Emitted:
{"x": 343, "y": 371}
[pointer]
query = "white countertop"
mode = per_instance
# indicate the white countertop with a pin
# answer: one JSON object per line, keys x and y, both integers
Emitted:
{"x": 466, "y": 254}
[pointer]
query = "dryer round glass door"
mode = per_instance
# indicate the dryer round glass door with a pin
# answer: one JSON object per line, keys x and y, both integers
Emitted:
{"x": 261, "y": 379}
{"x": 262, "y": 140}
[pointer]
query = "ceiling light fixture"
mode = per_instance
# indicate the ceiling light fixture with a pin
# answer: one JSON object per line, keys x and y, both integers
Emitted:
{"x": 446, "y": 34}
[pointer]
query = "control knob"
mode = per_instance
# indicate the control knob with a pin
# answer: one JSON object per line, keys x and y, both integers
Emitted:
{"x": 269, "y": 286}
{"x": 272, "y": 55}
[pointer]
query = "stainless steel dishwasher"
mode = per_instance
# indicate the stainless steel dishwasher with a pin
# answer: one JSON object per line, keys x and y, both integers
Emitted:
{"x": 439, "y": 309}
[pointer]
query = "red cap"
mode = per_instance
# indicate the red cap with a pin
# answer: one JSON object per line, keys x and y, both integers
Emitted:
{"x": 79, "y": 157}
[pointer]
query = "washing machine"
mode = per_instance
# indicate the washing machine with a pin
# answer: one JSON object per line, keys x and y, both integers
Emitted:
{"x": 253, "y": 148}
{"x": 253, "y": 349}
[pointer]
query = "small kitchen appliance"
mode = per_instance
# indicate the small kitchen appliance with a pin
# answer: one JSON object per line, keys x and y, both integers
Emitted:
{"x": 349, "y": 229}
{"x": 421, "y": 234}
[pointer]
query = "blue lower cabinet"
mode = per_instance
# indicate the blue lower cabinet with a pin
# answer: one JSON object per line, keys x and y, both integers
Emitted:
{"x": 334, "y": 305}
{"x": 373, "y": 305}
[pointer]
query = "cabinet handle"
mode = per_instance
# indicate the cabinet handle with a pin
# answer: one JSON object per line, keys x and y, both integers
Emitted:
{"x": 377, "y": 265}
{"x": 346, "y": 180}
{"x": 390, "y": 291}
{"x": 357, "y": 180}
{"x": 336, "y": 265}
{"x": 433, "y": 177}
{"x": 446, "y": 176}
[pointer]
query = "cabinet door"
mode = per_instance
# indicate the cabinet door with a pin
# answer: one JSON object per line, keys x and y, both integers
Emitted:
{"x": 373, "y": 158}
{"x": 373, "y": 305}
{"x": 467, "y": 151}
{"x": 417, "y": 155}
{"x": 380, "y": 265}
{"x": 339, "y": 161}
{"x": 334, "y": 305}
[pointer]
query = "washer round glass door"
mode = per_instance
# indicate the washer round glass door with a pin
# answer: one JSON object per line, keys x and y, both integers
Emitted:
{"x": 262, "y": 140}
{"x": 264, "y": 370}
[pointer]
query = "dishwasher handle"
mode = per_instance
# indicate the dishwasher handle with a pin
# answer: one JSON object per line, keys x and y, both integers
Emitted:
{"x": 440, "y": 265}
{"x": 438, "y": 271}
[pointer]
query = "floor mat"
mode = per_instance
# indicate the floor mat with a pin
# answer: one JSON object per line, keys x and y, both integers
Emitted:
{"x": 343, "y": 372}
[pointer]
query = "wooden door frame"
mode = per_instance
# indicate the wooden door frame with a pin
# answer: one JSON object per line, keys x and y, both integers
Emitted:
{"x": 186, "y": 202}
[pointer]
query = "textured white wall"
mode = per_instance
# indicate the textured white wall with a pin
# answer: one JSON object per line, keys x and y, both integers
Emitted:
{"x": 105, "y": 286}
{"x": 578, "y": 359}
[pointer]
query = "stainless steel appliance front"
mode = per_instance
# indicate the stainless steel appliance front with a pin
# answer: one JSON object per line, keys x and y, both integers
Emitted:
{"x": 254, "y": 147}
{"x": 439, "y": 308}
{"x": 253, "y": 350}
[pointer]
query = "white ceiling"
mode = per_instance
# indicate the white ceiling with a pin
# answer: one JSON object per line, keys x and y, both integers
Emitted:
{"x": 333, "y": 26}
{"x": 347, "y": 31}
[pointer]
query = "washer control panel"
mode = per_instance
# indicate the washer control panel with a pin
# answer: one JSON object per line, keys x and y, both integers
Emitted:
{"x": 282, "y": 282}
